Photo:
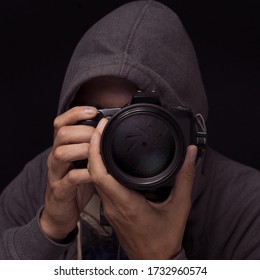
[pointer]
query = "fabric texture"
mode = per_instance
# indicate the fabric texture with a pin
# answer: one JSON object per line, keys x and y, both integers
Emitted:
{"x": 146, "y": 43}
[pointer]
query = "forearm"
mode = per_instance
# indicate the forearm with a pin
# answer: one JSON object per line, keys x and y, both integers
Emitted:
{"x": 29, "y": 242}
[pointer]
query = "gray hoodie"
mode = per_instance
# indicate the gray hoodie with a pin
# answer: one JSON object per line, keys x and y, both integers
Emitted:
{"x": 144, "y": 42}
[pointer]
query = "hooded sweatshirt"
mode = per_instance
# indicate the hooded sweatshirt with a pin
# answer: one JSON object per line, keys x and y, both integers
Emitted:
{"x": 146, "y": 43}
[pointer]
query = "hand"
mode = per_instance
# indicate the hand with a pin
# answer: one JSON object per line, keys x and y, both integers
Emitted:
{"x": 68, "y": 190}
{"x": 146, "y": 230}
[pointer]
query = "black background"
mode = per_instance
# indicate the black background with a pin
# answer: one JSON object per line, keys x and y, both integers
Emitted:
{"x": 38, "y": 37}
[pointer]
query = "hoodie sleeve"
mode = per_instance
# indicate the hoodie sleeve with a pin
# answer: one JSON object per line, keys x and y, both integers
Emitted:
{"x": 21, "y": 204}
{"x": 181, "y": 255}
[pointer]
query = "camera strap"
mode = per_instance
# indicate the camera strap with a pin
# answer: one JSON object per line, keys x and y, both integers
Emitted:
{"x": 201, "y": 136}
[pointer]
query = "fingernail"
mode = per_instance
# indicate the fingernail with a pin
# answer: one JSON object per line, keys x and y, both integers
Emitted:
{"x": 192, "y": 153}
{"x": 90, "y": 110}
{"x": 102, "y": 123}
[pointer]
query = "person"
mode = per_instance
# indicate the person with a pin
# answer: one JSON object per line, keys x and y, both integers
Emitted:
{"x": 52, "y": 210}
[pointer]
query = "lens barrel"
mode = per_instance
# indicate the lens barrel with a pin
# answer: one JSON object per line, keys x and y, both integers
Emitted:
{"x": 142, "y": 146}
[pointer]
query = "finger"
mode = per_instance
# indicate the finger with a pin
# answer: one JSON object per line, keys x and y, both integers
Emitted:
{"x": 71, "y": 153}
{"x": 74, "y": 115}
{"x": 96, "y": 166}
{"x": 62, "y": 157}
{"x": 73, "y": 135}
{"x": 94, "y": 156}
{"x": 108, "y": 187}
{"x": 101, "y": 125}
{"x": 182, "y": 189}
{"x": 74, "y": 179}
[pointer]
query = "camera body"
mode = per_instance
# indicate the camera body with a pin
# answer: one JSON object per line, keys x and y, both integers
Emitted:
{"x": 143, "y": 145}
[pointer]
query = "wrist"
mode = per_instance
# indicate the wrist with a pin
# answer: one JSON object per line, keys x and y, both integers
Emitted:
{"x": 54, "y": 231}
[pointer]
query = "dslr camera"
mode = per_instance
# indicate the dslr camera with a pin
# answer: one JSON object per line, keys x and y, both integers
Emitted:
{"x": 143, "y": 146}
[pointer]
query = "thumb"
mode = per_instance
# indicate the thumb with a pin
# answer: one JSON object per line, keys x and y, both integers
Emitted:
{"x": 184, "y": 179}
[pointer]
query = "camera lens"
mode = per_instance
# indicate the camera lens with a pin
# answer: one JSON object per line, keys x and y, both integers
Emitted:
{"x": 142, "y": 146}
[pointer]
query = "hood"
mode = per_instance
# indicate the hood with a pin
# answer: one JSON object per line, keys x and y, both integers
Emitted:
{"x": 146, "y": 43}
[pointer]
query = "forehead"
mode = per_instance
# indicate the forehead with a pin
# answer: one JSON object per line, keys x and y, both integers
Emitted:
{"x": 105, "y": 92}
